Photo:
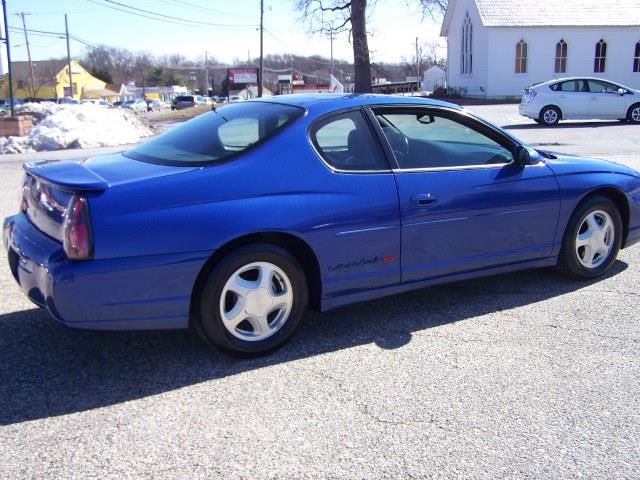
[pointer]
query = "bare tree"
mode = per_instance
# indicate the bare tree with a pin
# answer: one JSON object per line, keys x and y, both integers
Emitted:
{"x": 434, "y": 8}
{"x": 336, "y": 16}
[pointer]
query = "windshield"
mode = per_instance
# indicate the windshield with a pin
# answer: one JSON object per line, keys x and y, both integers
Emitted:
{"x": 217, "y": 135}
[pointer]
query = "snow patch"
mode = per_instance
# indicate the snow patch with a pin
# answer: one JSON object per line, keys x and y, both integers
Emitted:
{"x": 58, "y": 127}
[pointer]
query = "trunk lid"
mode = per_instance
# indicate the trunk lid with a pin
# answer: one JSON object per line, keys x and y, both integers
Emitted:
{"x": 49, "y": 185}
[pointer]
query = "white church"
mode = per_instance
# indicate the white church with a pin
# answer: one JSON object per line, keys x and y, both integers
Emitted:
{"x": 495, "y": 48}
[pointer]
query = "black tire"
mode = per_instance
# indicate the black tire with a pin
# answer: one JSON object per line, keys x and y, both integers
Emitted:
{"x": 568, "y": 261}
{"x": 549, "y": 122}
{"x": 209, "y": 323}
{"x": 634, "y": 111}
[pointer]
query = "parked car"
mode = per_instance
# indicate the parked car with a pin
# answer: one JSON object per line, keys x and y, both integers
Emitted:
{"x": 98, "y": 103}
{"x": 186, "y": 101}
{"x": 118, "y": 103}
{"x": 236, "y": 98}
{"x": 61, "y": 100}
{"x": 5, "y": 105}
{"x": 138, "y": 105}
{"x": 232, "y": 223}
{"x": 580, "y": 98}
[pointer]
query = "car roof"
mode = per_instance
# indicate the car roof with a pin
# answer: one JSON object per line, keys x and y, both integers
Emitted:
{"x": 307, "y": 99}
{"x": 564, "y": 79}
{"x": 326, "y": 102}
{"x": 568, "y": 79}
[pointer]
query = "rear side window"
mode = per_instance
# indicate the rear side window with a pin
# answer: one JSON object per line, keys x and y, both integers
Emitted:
{"x": 345, "y": 142}
{"x": 217, "y": 135}
{"x": 570, "y": 86}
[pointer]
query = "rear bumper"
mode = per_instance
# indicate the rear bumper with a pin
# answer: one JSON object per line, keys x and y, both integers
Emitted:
{"x": 138, "y": 293}
{"x": 528, "y": 110}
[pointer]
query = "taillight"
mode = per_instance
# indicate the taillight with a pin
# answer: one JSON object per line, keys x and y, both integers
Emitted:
{"x": 78, "y": 244}
{"x": 24, "y": 191}
{"x": 532, "y": 94}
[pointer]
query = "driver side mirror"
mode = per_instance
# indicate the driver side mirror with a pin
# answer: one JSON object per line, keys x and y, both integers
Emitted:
{"x": 524, "y": 157}
{"x": 621, "y": 91}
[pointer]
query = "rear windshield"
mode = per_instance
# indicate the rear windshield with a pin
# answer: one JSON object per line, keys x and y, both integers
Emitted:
{"x": 217, "y": 135}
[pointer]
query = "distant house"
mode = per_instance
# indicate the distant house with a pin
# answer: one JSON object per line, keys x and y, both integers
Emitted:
{"x": 51, "y": 80}
{"x": 433, "y": 78}
{"x": 498, "y": 47}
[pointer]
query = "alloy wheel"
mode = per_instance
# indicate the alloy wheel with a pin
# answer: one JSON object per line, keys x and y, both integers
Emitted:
{"x": 595, "y": 239}
{"x": 550, "y": 116}
{"x": 256, "y": 301}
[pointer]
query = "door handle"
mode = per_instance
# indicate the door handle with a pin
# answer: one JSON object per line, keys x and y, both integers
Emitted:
{"x": 423, "y": 199}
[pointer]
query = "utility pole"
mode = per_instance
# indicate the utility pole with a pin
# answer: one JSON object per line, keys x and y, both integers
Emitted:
{"x": 66, "y": 30}
{"x": 6, "y": 39}
{"x": 206, "y": 74}
{"x": 260, "y": 76}
{"x": 331, "y": 32}
{"x": 417, "y": 66}
{"x": 26, "y": 41}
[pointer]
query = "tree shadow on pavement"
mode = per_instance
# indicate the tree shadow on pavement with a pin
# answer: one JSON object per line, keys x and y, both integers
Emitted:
{"x": 48, "y": 370}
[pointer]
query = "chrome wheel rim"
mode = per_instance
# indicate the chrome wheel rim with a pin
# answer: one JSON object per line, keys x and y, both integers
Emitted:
{"x": 595, "y": 239}
{"x": 635, "y": 114}
{"x": 256, "y": 301}
{"x": 550, "y": 116}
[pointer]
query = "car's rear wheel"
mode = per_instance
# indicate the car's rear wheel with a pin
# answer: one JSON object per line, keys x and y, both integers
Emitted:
{"x": 550, "y": 116}
{"x": 633, "y": 115}
{"x": 253, "y": 300}
{"x": 592, "y": 239}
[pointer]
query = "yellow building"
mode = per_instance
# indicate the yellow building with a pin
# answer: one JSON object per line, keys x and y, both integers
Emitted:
{"x": 50, "y": 80}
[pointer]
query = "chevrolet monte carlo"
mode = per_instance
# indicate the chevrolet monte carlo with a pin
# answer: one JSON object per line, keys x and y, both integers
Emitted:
{"x": 235, "y": 222}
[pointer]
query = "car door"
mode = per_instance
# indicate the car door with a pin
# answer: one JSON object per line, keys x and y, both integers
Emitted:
{"x": 572, "y": 96}
{"x": 465, "y": 204}
{"x": 605, "y": 101}
{"x": 360, "y": 209}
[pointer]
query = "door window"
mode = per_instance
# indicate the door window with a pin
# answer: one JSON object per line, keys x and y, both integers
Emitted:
{"x": 422, "y": 139}
{"x": 345, "y": 142}
{"x": 596, "y": 86}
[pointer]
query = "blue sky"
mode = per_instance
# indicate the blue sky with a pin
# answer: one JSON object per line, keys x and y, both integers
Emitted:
{"x": 393, "y": 24}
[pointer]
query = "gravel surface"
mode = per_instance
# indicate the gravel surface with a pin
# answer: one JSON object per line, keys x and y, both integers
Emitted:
{"x": 525, "y": 375}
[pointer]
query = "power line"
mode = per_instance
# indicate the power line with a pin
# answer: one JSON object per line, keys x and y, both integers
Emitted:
{"x": 160, "y": 16}
{"x": 38, "y": 32}
{"x": 206, "y": 9}
{"x": 144, "y": 16}
{"x": 58, "y": 35}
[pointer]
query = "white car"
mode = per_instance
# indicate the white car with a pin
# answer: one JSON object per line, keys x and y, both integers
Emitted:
{"x": 138, "y": 105}
{"x": 580, "y": 98}
{"x": 99, "y": 103}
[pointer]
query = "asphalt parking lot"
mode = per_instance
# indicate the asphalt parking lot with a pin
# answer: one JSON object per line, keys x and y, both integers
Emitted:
{"x": 526, "y": 375}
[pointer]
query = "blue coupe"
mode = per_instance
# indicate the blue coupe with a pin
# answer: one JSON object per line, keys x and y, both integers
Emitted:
{"x": 236, "y": 221}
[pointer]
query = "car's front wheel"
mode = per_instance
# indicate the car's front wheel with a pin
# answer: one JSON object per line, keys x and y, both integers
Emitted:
{"x": 592, "y": 239}
{"x": 549, "y": 116}
{"x": 633, "y": 115}
{"x": 253, "y": 300}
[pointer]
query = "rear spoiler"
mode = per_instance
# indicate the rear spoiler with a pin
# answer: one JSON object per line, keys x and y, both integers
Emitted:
{"x": 65, "y": 175}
